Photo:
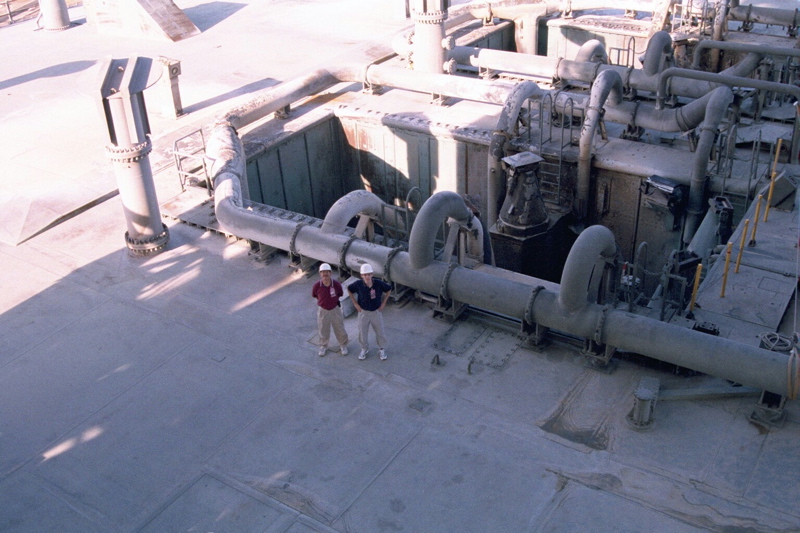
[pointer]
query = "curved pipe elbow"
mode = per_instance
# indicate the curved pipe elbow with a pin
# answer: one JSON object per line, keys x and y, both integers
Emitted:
{"x": 607, "y": 87}
{"x": 659, "y": 47}
{"x": 594, "y": 242}
{"x": 348, "y": 206}
{"x": 434, "y": 213}
{"x": 592, "y": 51}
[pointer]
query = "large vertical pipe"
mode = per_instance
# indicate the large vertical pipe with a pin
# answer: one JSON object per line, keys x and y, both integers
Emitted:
{"x": 608, "y": 84}
{"x": 718, "y": 104}
{"x": 123, "y": 104}
{"x": 429, "y": 32}
{"x": 54, "y": 15}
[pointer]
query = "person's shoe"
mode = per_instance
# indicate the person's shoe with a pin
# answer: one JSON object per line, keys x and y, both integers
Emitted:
{"x": 362, "y": 355}
{"x": 344, "y": 350}
{"x": 322, "y": 351}
{"x": 382, "y": 353}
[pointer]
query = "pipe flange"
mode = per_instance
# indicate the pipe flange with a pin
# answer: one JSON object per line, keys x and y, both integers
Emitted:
{"x": 529, "y": 309}
{"x": 433, "y": 17}
{"x": 151, "y": 245}
{"x": 387, "y": 265}
{"x": 131, "y": 153}
{"x": 292, "y": 248}
{"x": 343, "y": 252}
{"x": 443, "y": 294}
{"x": 598, "y": 328}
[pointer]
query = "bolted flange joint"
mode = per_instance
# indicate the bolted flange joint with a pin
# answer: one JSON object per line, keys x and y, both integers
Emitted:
{"x": 131, "y": 153}
{"x": 150, "y": 245}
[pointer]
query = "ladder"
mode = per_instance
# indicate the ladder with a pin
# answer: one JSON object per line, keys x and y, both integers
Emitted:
{"x": 189, "y": 152}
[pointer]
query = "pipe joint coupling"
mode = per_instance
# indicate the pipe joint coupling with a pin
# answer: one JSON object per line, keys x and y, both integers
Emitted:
{"x": 131, "y": 153}
{"x": 529, "y": 317}
{"x": 149, "y": 245}
{"x": 433, "y": 17}
{"x": 387, "y": 266}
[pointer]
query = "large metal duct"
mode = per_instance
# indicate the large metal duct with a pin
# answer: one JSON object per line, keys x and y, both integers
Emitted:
{"x": 658, "y": 53}
{"x": 732, "y": 46}
{"x": 429, "y": 31}
{"x": 718, "y": 104}
{"x": 749, "y": 365}
{"x": 592, "y": 51}
{"x": 434, "y": 213}
{"x": 580, "y": 267}
{"x": 732, "y": 81}
{"x": 506, "y": 126}
{"x": 608, "y": 84}
{"x": 764, "y": 15}
{"x": 349, "y": 206}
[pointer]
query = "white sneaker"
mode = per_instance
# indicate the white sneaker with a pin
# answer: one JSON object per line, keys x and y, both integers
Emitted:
{"x": 382, "y": 353}
{"x": 344, "y": 350}
{"x": 322, "y": 351}
{"x": 362, "y": 355}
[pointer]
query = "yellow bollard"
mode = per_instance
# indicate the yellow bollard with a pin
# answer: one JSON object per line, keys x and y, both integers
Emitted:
{"x": 772, "y": 179}
{"x": 696, "y": 285}
{"x": 727, "y": 264}
{"x": 755, "y": 221}
{"x": 741, "y": 246}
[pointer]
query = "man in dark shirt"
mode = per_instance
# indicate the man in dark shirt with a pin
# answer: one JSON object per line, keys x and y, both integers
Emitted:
{"x": 369, "y": 298}
{"x": 329, "y": 314}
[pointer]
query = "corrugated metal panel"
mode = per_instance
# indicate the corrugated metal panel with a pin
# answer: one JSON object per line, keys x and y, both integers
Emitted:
{"x": 296, "y": 177}
{"x": 326, "y": 181}
{"x": 269, "y": 173}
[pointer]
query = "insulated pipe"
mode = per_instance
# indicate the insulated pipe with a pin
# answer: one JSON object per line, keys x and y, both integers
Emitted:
{"x": 765, "y": 15}
{"x": 506, "y": 125}
{"x": 348, "y": 206}
{"x": 593, "y": 242}
{"x": 592, "y": 51}
{"x": 713, "y": 355}
{"x": 659, "y": 49}
{"x": 557, "y": 68}
{"x": 434, "y": 212}
{"x": 608, "y": 83}
{"x": 718, "y": 104}
{"x": 429, "y": 32}
{"x": 720, "y": 20}
{"x": 741, "y": 47}
{"x": 54, "y": 15}
{"x": 732, "y": 81}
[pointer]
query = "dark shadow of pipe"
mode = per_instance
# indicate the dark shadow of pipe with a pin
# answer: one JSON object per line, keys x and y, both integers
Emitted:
{"x": 208, "y": 15}
{"x": 245, "y": 89}
{"x": 53, "y": 71}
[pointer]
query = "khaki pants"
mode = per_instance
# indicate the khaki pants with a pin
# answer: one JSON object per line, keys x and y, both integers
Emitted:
{"x": 327, "y": 319}
{"x": 367, "y": 319}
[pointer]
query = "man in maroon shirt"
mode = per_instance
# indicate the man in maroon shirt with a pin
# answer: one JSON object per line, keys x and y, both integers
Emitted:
{"x": 327, "y": 291}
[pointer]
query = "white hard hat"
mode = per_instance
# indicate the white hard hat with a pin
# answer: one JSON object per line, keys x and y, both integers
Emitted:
{"x": 324, "y": 266}
{"x": 366, "y": 269}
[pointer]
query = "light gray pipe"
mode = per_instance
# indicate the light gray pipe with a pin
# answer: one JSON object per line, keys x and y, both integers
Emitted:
{"x": 720, "y": 21}
{"x": 721, "y": 98}
{"x": 556, "y": 68}
{"x": 348, "y": 206}
{"x": 740, "y": 47}
{"x": 765, "y": 15}
{"x": 732, "y": 81}
{"x": 608, "y": 84}
{"x": 497, "y": 148}
{"x": 666, "y": 342}
{"x": 592, "y": 51}
{"x": 429, "y": 32}
{"x": 434, "y": 212}
{"x": 593, "y": 242}
{"x": 658, "y": 53}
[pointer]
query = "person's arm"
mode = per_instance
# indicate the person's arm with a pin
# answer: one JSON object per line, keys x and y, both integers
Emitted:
{"x": 353, "y": 298}
{"x": 385, "y": 297}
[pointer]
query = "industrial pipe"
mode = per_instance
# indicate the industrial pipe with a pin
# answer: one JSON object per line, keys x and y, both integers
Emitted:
{"x": 54, "y": 15}
{"x": 579, "y": 269}
{"x": 429, "y": 32}
{"x": 732, "y": 46}
{"x": 348, "y": 206}
{"x": 732, "y": 81}
{"x": 592, "y": 51}
{"x": 765, "y": 15}
{"x": 658, "y": 54}
{"x": 434, "y": 212}
{"x": 608, "y": 84}
{"x": 506, "y": 126}
{"x": 717, "y": 106}
{"x": 749, "y": 365}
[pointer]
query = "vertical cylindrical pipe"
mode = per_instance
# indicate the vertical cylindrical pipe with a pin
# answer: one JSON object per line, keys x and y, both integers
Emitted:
{"x": 429, "y": 32}
{"x": 129, "y": 130}
{"x": 54, "y": 15}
